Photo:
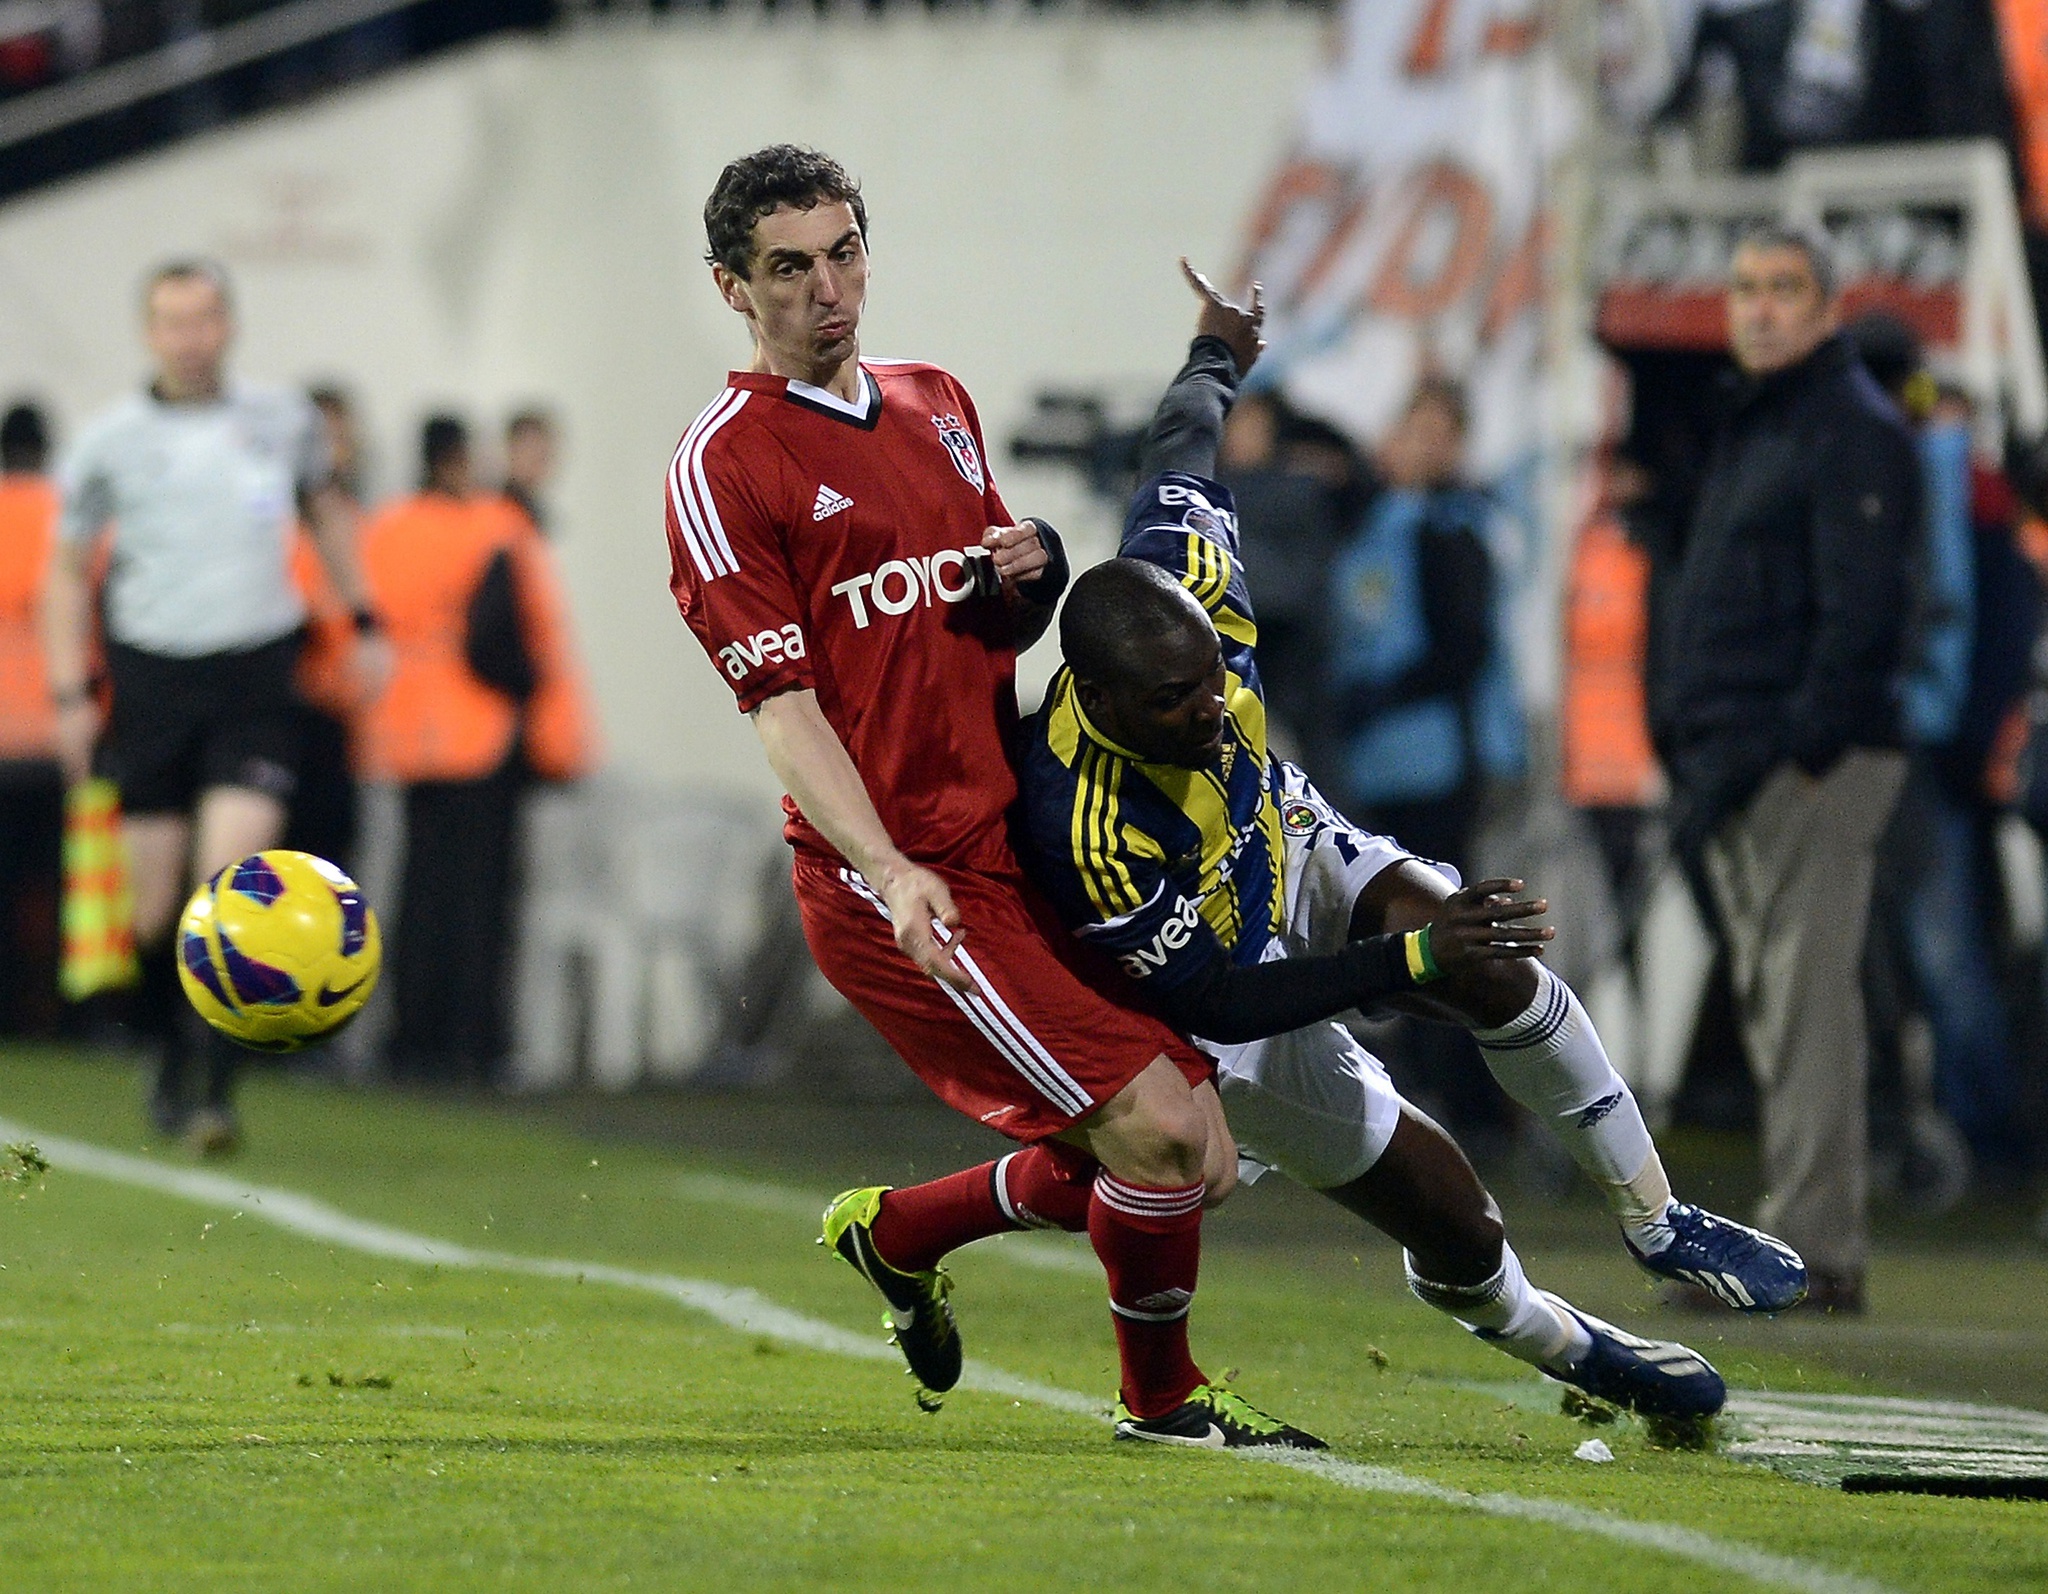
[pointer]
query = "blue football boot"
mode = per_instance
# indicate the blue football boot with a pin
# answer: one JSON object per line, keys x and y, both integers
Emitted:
{"x": 1737, "y": 1265}
{"x": 1653, "y": 1377}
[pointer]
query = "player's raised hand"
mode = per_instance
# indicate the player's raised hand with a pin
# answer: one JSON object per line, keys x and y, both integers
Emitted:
{"x": 927, "y": 924}
{"x": 1237, "y": 325}
{"x": 1483, "y": 924}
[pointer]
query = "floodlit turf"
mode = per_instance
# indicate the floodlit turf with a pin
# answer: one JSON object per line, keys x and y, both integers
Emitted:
{"x": 195, "y": 1399}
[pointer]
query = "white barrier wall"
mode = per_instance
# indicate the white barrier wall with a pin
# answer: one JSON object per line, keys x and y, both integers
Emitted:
{"x": 521, "y": 222}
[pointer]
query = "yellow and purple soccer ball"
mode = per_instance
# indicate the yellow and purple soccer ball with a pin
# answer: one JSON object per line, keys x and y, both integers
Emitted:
{"x": 279, "y": 951}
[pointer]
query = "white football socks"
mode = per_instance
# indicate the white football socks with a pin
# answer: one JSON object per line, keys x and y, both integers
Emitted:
{"x": 1507, "y": 1312}
{"x": 1550, "y": 1060}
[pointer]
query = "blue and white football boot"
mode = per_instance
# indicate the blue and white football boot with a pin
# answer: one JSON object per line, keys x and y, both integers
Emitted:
{"x": 1653, "y": 1377}
{"x": 1737, "y": 1265}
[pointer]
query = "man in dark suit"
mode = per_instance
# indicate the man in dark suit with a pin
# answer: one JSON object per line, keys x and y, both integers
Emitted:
{"x": 1775, "y": 706}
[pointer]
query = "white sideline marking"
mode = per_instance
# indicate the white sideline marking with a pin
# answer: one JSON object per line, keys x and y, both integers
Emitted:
{"x": 744, "y": 1310}
{"x": 1888, "y": 1432}
{"x": 749, "y": 1312}
{"x": 1765, "y": 1567}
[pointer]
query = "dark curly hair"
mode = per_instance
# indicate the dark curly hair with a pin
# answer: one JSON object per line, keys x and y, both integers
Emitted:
{"x": 758, "y": 184}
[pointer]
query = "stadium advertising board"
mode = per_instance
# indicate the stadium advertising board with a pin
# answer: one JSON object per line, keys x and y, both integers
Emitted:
{"x": 1405, "y": 230}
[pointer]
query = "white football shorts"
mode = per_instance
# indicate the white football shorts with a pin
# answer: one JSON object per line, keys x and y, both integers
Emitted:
{"x": 1314, "y": 1103}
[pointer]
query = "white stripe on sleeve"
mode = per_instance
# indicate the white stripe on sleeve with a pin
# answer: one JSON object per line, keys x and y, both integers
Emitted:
{"x": 698, "y": 490}
{"x": 702, "y": 554}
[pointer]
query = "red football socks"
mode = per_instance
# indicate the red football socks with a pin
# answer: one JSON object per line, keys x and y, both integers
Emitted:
{"x": 1046, "y": 1187}
{"x": 1150, "y": 1243}
{"x": 1040, "y": 1187}
{"x": 1149, "y": 1240}
{"x": 920, "y": 1223}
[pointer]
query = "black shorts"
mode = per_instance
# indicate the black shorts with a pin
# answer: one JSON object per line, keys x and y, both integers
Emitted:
{"x": 180, "y": 726}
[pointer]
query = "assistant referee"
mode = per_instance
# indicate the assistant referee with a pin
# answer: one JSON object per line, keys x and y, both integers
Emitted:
{"x": 201, "y": 481}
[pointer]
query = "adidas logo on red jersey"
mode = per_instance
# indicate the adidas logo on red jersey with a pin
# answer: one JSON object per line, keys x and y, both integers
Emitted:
{"x": 829, "y": 503}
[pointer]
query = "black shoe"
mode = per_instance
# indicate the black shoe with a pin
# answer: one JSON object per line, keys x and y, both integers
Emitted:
{"x": 1213, "y": 1418}
{"x": 167, "y": 1115}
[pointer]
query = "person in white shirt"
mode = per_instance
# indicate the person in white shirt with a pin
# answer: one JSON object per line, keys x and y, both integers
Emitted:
{"x": 200, "y": 483}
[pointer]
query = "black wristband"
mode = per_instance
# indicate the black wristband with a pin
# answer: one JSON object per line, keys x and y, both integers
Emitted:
{"x": 366, "y": 622}
{"x": 1045, "y": 588}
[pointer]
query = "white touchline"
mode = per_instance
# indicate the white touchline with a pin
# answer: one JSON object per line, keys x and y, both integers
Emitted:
{"x": 750, "y": 1312}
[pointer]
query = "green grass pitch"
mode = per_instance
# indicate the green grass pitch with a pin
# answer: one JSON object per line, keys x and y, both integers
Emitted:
{"x": 193, "y": 1397}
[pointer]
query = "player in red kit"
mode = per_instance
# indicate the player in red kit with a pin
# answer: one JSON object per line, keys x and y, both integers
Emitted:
{"x": 839, "y": 550}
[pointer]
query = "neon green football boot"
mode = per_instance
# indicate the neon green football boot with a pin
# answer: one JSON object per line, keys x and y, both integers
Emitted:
{"x": 919, "y": 1314}
{"x": 1214, "y": 1417}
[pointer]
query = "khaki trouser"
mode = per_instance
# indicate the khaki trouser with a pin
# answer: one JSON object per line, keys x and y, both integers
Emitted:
{"x": 1791, "y": 875}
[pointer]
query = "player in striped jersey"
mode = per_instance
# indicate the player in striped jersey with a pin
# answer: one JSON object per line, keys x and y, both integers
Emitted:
{"x": 1244, "y": 909}
{"x": 1250, "y": 913}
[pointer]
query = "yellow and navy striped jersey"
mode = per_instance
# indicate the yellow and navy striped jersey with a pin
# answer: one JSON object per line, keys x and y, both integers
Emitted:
{"x": 1168, "y": 869}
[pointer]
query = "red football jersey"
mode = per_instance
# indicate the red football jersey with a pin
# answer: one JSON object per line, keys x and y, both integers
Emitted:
{"x": 816, "y": 543}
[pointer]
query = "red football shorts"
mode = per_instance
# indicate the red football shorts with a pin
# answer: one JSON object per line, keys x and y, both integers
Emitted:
{"x": 1033, "y": 1047}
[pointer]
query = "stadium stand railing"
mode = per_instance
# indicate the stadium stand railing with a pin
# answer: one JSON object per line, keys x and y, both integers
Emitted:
{"x": 86, "y": 82}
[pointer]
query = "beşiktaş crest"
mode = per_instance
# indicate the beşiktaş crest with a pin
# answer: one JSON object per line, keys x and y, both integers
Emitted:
{"x": 960, "y": 444}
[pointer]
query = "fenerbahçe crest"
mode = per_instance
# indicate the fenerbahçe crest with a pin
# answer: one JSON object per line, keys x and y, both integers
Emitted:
{"x": 959, "y": 443}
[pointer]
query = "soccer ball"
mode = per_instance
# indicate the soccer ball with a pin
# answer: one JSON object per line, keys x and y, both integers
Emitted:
{"x": 279, "y": 950}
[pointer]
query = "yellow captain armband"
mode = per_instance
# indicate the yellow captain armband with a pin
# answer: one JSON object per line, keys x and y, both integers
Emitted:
{"x": 1421, "y": 961}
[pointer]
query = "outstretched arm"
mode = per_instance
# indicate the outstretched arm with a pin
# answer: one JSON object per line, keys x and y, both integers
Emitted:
{"x": 1232, "y": 1004}
{"x": 815, "y": 769}
{"x": 1188, "y": 424}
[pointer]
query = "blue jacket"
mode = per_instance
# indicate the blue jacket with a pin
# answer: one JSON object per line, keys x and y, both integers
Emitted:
{"x": 1937, "y": 679}
{"x": 1424, "y": 699}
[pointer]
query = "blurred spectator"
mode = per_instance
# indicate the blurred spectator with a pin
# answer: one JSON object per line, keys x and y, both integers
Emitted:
{"x": 1774, "y": 707}
{"x": 1978, "y": 609}
{"x": 323, "y": 809}
{"x": 1409, "y": 646}
{"x": 31, "y": 786}
{"x": 1819, "y": 72}
{"x": 1609, "y": 770}
{"x": 1294, "y": 479}
{"x": 344, "y": 439}
{"x": 485, "y": 687}
{"x": 532, "y": 445}
{"x": 1411, "y": 606}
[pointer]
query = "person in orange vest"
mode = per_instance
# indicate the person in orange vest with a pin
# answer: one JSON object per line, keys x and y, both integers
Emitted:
{"x": 31, "y": 785}
{"x": 1610, "y": 772}
{"x": 486, "y": 692}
